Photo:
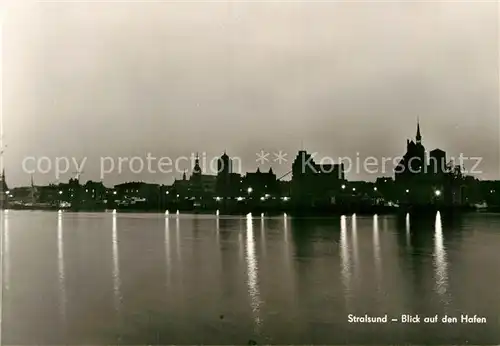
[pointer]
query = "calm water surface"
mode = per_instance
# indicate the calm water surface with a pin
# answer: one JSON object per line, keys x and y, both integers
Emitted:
{"x": 75, "y": 278}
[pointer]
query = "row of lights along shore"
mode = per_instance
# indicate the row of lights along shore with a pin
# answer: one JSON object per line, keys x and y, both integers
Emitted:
{"x": 250, "y": 190}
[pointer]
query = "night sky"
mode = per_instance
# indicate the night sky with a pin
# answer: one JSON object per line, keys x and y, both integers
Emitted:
{"x": 123, "y": 79}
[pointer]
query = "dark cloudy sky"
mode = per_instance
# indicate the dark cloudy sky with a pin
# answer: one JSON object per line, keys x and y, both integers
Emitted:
{"x": 121, "y": 79}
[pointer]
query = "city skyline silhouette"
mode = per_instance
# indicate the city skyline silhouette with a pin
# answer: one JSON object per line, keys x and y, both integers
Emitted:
{"x": 256, "y": 172}
{"x": 98, "y": 79}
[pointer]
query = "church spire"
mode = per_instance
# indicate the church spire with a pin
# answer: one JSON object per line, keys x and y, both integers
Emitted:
{"x": 197, "y": 168}
{"x": 419, "y": 136}
{"x": 3, "y": 183}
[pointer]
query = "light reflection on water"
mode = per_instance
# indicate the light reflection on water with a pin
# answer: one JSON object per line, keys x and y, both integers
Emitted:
{"x": 168, "y": 258}
{"x": 345, "y": 259}
{"x": 286, "y": 242}
{"x": 252, "y": 270}
{"x": 407, "y": 227}
{"x": 60, "y": 267}
{"x": 263, "y": 236}
{"x": 6, "y": 251}
{"x": 376, "y": 252}
{"x": 178, "y": 237}
{"x": 356, "y": 263}
{"x": 116, "y": 267}
{"x": 300, "y": 289}
{"x": 440, "y": 260}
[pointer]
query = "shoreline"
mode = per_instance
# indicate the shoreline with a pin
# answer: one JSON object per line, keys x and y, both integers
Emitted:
{"x": 295, "y": 212}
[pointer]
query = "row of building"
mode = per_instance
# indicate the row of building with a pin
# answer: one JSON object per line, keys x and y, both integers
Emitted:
{"x": 417, "y": 180}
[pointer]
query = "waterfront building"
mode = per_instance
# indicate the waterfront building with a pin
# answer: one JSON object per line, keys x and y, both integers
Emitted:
{"x": 261, "y": 184}
{"x": 437, "y": 162}
{"x": 228, "y": 183}
{"x": 197, "y": 190}
{"x": 4, "y": 191}
{"x": 434, "y": 182}
{"x": 412, "y": 165}
{"x": 134, "y": 193}
{"x": 202, "y": 186}
{"x": 316, "y": 184}
{"x": 94, "y": 191}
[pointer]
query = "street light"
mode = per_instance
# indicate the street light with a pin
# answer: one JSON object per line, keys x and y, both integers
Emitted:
{"x": 407, "y": 191}
{"x": 343, "y": 187}
{"x": 375, "y": 188}
{"x": 250, "y": 190}
{"x": 437, "y": 193}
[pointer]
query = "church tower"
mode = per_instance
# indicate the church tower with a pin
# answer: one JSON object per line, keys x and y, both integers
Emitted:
{"x": 224, "y": 165}
{"x": 195, "y": 181}
{"x": 414, "y": 162}
{"x": 420, "y": 149}
{"x": 197, "y": 168}
{"x": 224, "y": 184}
{"x": 3, "y": 190}
{"x": 418, "y": 137}
{"x": 3, "y": 181}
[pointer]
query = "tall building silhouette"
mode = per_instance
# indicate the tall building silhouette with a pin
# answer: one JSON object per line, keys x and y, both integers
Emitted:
{"x": 224, "y": 165}
{"x": 195, "y": 181}
{"x": 228, "y": 183}
{"x": 314, "y": 183}
{"x": 413, "y": 162}
{"x": 437, "y": 162}
{"x": 422, "y": 182}
{"x": 197, "y": 187}
{"x": 3, "y": 190}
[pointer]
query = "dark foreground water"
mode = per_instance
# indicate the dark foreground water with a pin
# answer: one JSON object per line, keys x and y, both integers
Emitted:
{"x": 150, "y": 279}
